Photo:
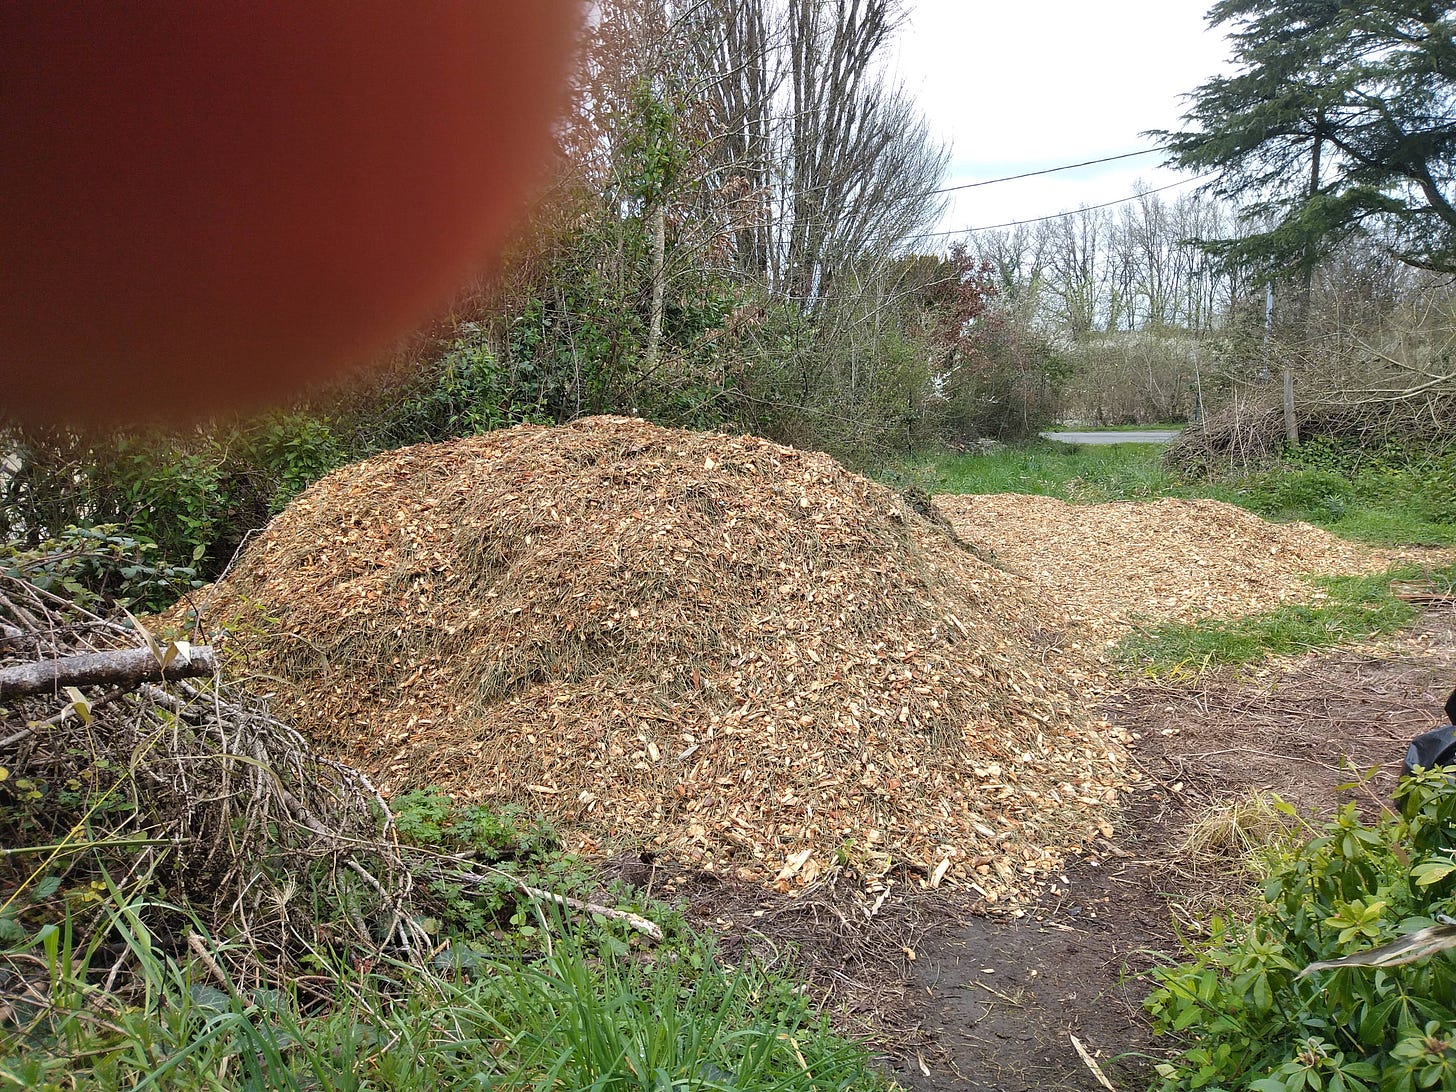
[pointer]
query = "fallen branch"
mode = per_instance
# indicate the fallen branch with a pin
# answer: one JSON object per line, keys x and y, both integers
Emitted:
{"x": 128, "y": 668}
{"x": 636, "y": 921}
{"x": 1420, "y": 594}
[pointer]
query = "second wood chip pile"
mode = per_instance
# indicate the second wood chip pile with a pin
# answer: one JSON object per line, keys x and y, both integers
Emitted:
{"x": 719, "y": 648}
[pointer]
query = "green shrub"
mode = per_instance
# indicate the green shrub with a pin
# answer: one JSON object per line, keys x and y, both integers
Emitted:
{"x": 293, "y": 450}
{"x": 1297, "y": 492}
{"x": 1247, "y": 1018}
{"x": 99, "y": 568}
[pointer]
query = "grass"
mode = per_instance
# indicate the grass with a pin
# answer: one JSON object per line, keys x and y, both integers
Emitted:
{"x": 1095, "y": 472}
{"x": 1237, "y": 831}
{"x": 1347, "y": 609}
{"x": 120, "y": 989}
{"x": 1378, "y": 504}
{"x": 579, "y": 1018}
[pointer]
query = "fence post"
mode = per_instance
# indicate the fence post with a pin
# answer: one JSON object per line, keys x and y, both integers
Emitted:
{"x": 1291, "y": 426}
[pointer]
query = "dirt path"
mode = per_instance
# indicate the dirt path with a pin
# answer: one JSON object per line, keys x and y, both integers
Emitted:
{"x": 998, "y": 1001}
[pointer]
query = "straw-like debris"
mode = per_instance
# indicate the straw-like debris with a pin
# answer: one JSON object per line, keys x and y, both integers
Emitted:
{"x": 718, "y": 647}
{"x": 1112, "y": 566}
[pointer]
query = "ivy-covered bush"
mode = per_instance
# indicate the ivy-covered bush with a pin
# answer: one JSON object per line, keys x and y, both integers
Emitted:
{"x": 1250, "y": 1021}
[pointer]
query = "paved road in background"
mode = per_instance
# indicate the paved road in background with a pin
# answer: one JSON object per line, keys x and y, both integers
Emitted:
{"x": 1144, "y": 436}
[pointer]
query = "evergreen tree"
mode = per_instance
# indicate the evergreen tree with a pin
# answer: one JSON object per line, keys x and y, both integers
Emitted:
{"x": 1340, "y": 120}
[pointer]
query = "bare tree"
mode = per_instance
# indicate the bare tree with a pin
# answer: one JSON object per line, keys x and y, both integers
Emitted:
{"x": 839, "y": 160}
{"x": 1077, "y": 260}
{"x": 1018, "y": 261}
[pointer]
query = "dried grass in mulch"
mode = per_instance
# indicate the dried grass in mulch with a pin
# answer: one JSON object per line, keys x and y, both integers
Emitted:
{"x": 716, "y": 647}
{"x": 1108, "y": 567}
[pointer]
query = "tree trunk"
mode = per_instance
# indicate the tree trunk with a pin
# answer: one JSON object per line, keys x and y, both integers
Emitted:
{"x": 654, "y": 316}
{"x": 1311, "y": 257}
{"x": 1291, "y": 424}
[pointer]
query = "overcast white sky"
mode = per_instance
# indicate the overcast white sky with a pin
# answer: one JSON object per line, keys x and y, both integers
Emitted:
{"x": 1019, "y": 86}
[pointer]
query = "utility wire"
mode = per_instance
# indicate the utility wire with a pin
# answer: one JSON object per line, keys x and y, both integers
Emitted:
{"x": 1046, "y": 170}
{"x": 1066, "y": 212}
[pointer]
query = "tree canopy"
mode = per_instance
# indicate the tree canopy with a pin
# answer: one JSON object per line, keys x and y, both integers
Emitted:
{"x": 1339, "y": 120}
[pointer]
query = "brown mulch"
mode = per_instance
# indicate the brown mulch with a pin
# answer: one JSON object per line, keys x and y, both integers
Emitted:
{"x": 1109, "y": 567}
{"x": 718, "y": 648}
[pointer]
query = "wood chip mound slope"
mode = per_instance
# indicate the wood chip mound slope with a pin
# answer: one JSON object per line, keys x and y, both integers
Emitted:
{"x": 721, "y": 647}
{"x": 1108, "y": 566}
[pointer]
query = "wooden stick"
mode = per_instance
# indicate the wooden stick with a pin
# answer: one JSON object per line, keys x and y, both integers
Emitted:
{"x": 1092, "y": 1065}
{"x": 128, "y": 667}
{"x": 636, "y": 921}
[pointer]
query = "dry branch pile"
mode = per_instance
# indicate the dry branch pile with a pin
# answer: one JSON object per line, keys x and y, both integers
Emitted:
{"x": 1248, "y": 434}
{"x": 720, "y": 647}
{"x": 185, "y": 800}
{"x": 1109, "y": 566}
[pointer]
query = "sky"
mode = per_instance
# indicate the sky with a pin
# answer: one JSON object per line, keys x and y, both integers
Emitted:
{"x": 1021, "y": 86}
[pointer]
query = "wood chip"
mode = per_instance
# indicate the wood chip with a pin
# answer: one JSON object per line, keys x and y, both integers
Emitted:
{"x": 1110, "y": 568}
{"x": 716, "y": 647}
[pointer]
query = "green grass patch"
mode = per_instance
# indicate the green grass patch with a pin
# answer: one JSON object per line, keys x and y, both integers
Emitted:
{"x": 579, "y": 1018}
{"x": 1088, "y": 472}
{"x": 1349, "y": 608}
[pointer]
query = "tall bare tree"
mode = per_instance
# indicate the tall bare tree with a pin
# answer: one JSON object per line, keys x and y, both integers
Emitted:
{"x": 839, "y": 159}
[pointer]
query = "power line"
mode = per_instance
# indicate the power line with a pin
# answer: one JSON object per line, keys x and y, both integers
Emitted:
{"x": 1047, "y": 170}
{"x": 1066, "y": 212}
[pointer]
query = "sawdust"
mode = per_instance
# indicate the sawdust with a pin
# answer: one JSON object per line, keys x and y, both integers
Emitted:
{"x": 1108, "y": 567}
{"x": 718, "y": 647}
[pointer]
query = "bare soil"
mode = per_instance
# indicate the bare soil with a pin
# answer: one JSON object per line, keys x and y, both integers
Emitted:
{"x": 996, "y": 1001}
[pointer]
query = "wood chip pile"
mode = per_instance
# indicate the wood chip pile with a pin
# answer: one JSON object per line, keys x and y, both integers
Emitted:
{"x": 719, "y": 647}
{"x": 1109, "y": 565}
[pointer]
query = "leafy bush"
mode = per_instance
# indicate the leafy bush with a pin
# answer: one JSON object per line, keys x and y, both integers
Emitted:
{"x": 293, "y": 450}
{"x": 99, "y": 568}
{"x": 188, "y": 499}
{"x": 1297, "y": 492}
{"x": 1249, "y": 1019}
